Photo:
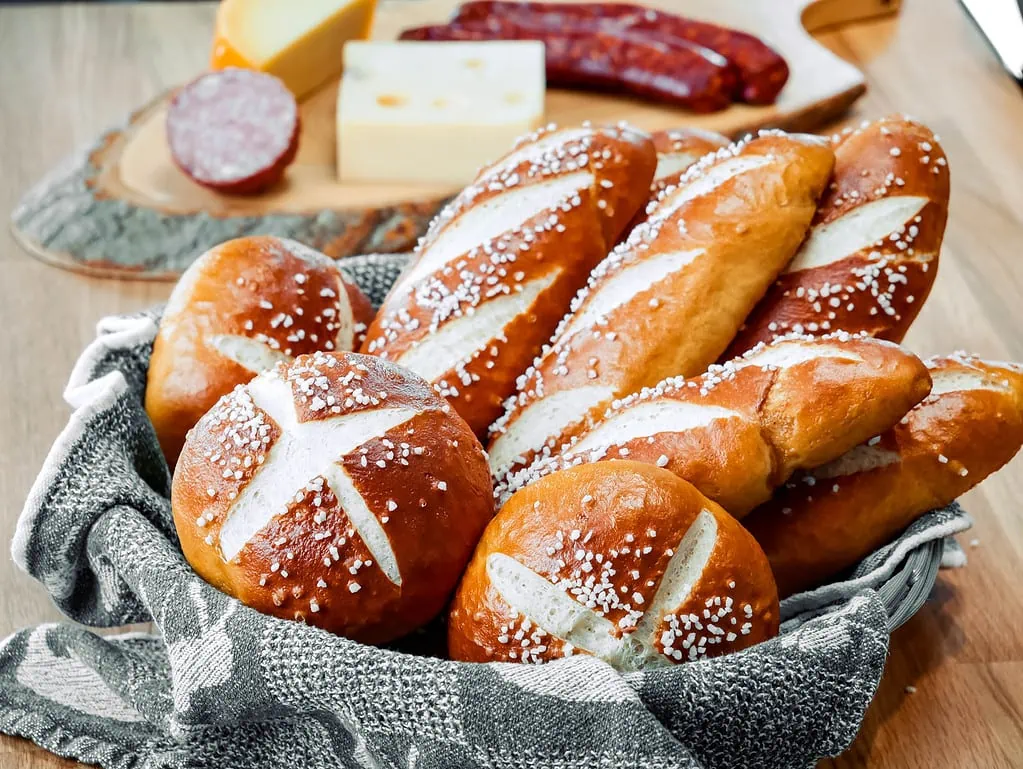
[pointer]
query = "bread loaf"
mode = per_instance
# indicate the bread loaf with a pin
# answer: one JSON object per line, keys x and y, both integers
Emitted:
{"x": 677, "y": 151}
{"x": 826, "y": 520}
{"x": 498, "y": 268}
{"x": 623, "y": 561}
{"x": 742, "y": 429}
{"x": 338, "y": 490}
{"x": 872, "y": 255}
{"x": 668, "y": 300}
{"x": 236, "y": 311}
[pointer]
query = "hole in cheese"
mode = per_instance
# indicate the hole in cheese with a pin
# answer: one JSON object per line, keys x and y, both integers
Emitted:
{"x": 391, "y": 100}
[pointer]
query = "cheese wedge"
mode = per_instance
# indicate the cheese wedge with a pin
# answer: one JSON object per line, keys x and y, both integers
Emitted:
{"x": 302, "y": 43}
{"x": 433, "y": 113}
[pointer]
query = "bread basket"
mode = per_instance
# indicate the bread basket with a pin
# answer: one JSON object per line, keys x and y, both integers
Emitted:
{"x": 223, "y": 685}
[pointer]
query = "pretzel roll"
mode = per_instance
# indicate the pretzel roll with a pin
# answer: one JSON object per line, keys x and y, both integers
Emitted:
{"x": 742, "y": 429}
{"x": 236, "y": 311}
{"x": 499, "y": 266}
{"x": 824, "y": 521}
{"x": 677, "y": 151}
{"x": 668, "y": 300}
{"x": 623, "y": 561}
{"x": 337, "y": 490}
{"x": 872, "y": 255}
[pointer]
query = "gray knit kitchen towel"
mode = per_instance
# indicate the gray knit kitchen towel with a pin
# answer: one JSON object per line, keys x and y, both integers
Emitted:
{"x": 223, "y": 686}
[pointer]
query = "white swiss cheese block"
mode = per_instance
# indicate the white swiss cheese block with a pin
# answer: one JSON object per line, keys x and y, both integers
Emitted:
{"x": 434, "y": 113}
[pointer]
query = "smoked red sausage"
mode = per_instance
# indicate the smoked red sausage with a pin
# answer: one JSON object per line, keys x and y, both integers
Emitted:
{"x": 763, "y": 72}
{"x": 649, "y": 65}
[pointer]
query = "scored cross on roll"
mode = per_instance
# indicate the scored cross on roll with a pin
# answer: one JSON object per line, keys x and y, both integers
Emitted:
{"x": 740, "y": 430}
{"x": 668, "y": 300}
{"x": 871, "y": 257}
{"x": 236, "y": 311}
{"x": 337, "y": 489}
{"x": 623, "y": 561}
{"x": 827, "y": 519}
{"x": 498, "y": 268}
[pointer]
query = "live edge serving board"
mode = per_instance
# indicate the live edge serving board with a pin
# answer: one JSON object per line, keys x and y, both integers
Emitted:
{"x": 122, "y": 209}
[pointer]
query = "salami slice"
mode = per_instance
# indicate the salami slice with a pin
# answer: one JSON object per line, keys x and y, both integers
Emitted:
{"x": 234, "y": 130}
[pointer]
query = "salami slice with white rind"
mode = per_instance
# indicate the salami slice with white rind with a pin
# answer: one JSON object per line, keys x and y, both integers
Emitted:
{"x": 234, "y": 130}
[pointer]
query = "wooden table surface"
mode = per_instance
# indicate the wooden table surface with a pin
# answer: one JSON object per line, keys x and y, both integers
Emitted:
{"x": 67, "y": 72}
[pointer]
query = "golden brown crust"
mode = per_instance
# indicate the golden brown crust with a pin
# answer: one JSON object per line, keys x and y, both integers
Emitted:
{"x": 825, "y": 521}
{"x": 710, "y": 249}
{"x": 606, "y": 535}
{"x": 742, "y": 429}
{"x": 362, "y": 310}
{"x": 422, "y": 477}
{"x": 848, "y": 285}
{"x": 282, "y": 298}
{"x": 510, "y": 284}
{"x": 678, "y": 150}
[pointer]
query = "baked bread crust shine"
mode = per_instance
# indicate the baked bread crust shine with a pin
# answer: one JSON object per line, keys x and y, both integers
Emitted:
{"x": 621, "y": 560}
{"x": 236, "y": 311}
{"x": 825, "y": 520}
{"x": 338, "y": 490}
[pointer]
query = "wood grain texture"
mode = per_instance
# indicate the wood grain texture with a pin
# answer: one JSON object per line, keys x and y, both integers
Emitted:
{"x": 123, "y": 188}
{"x": 66, "y": 71}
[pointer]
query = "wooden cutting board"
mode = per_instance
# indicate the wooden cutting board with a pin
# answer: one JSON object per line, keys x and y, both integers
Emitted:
{"x": 122, "y": 209}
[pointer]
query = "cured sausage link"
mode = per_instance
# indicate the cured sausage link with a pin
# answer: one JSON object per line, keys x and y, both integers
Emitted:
{"x": 762, "y": 71}
{"x": 651, "y": 66}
